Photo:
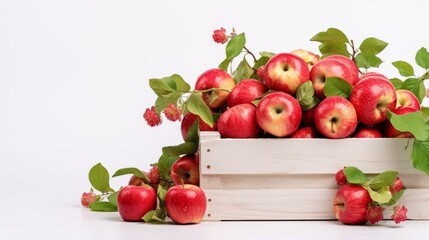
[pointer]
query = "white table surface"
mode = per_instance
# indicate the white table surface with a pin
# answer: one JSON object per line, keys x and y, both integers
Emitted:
{"x": 44, "y": 213}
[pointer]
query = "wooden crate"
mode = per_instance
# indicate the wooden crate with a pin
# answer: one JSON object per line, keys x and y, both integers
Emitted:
{"x": 294, "y": 179}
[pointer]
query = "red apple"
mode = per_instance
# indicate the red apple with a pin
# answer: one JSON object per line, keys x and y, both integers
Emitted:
{"x": 331, "y": 67}
{"x": 215, "y": 78}
{"x": 308, "y": 117}
{"x": 309, "y": 57}
{"x": 351, "y": 65}
{"x": 185, "y": 204}
{"x": 305, "y": 132}
{"x": 372, "y": 97}
{"x": 350, "y": 204}
{"x": 373, "y": 74}
{"x": 278, "y": 114}
{"x": 335, "y": 117}
{"x": 189, "y": 119}
{"x": 406, "y": 98}
{"x": 285, "y": 72}
{"x": 391, "y": 132}
{"x": 246, "y": 91}
{"x": 135, "y": 201}
{"x": 185, "y": 169}
{"x": 367, "y": 132}
{"x": 239, "y": 121}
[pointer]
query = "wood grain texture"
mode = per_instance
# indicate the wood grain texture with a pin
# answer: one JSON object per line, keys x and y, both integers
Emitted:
{"x": 294, "y": 179}
{"x": 293, "y": 204}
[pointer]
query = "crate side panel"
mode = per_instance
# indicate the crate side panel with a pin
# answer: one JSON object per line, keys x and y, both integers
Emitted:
{"x": 303, "y": 156}
{"x": 293, "y": 204}
{"x": 293, "y": 181}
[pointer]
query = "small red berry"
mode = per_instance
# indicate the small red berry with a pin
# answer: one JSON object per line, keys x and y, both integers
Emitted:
{"x": 340, "y": 177}
{"x": 374, "y": 214}
{"x": 172, "y": 113}
{"x": 88, "y": 198}
{"x": 152, "y": 117}
{"x": 153, "y": 175}
{"x": 219, "y": 36}
{"x": 399, "y": 214}
{"x": 397, "y": 186}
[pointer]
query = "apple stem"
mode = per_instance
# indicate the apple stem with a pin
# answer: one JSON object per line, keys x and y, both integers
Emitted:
{"x": 251, "y": 54}
{"x": 355, "y": 51}
{"x": 333, "y": 121}
{"x": 182, "y": 183}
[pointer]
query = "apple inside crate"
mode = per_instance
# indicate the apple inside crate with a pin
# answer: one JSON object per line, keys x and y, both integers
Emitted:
{"x": 294, "y": 179}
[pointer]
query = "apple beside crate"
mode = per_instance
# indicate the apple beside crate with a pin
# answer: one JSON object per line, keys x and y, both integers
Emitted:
{"x": 294, "y": 179}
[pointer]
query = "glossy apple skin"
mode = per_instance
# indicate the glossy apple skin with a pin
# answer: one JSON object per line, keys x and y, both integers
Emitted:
{"x": 354, "y": 70}
{"x": 239, "y": 121}
{"x": 135, "y": 201}
{"x": 406, "y": 98}
{"x": 372, "y": 97}
{"x": 279, "y": 114}
{"x": 373, "y": 74}
{"x": 138, "y": 181}
{"x": 285, "y": 72}
{"x": 391, "y": 132}
{"x": 350, "y": 204}
{"x": 309, "y": 57}
{"x": 330, "y": 67}
{"x": 185, "y": 204}
{"x": 367, "y": 132}
{"x": 305, "y": 132}
{"x": 189, "y": 119}
{"x": 187, "y": 169}
{"x": 246, "y": 91}
{"x": 335, "y": 117}
{"x": 215, "y": 78}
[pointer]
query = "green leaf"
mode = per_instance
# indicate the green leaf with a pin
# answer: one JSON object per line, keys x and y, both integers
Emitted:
{"x": 335, "y": 86}
{"x": 422, "y": 58}
{"x": 99, "y": 178}
{"x": 224, "y": 64}
{"x": 184, "y": 148}
{"x": 333, "y": 49}
{"x": 367, "y": 61}
{"x": 372, "y": 46}
{"x": 103, "y": 207}
{"x": 160, "y": 86}
{"x": 404, "y": 68}
{"x": 243, "y": 71}
{"x": 420, "y": 156}
{"x": 414, "y": 122}
{"x": 355, "y": 175}
{"x": 113, "y": 198}
{"x": 155, "y": 216}
{"x": 180, "y": 83}
{"x": 131, "y": 170}
{"x": 164, "y": 165}
{"x": 163, "y": 100}
{"x": 305, "y": 96}
{"x": 397, "y": 83}
{"x": 260, "y": 62}
{"x": 332, "y": 35}
{"x": 196, "y": 105}
{"x": 235, "y": 46}
{"x": 233, "y": 49}
{"x": 416, "y": 86}
{"x": 382, "y": 195}
{"x": 193, "y": 131}
{"x": 395, "y": 197}
{"x": 383, "y": 179}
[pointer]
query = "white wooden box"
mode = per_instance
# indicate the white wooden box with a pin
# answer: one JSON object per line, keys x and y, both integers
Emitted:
{"x": 294, "y": 179}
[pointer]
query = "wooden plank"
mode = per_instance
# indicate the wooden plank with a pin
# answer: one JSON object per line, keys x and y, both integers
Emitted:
{"x": 301, "y": 156}
{"x": 292, "y": 181}
{"x": 293, "y": 204}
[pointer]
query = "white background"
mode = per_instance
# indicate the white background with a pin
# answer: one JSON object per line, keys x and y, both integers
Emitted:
{"x": 74, "y": 75}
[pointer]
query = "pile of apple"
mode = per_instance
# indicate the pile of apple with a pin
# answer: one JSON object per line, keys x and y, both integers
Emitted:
{"x": 271, "y": 107}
